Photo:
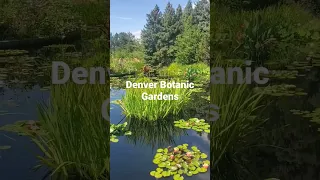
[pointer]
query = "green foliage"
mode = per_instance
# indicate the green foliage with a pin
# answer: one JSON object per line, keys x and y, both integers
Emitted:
{"x": 73, "y": 132}
{"x": 187, "y": 43}
{"x": 39, "y": 18}
{"x": 118, "y": 130}
{"x": 237, "y": 107}
{"x": 197, "y": 73}
{"x": 176, "y": 35}
{"x": 134, "y": 106}
{"x": 196, "y": 124}
{"x": 126, "y": 65}
{"x": 281, "y": 90}
{"x": 179, "y": 161}
{"x": 280, "y": 34}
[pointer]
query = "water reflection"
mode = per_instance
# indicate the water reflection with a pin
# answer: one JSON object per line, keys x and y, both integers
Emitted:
{"x": 159, "y": 133}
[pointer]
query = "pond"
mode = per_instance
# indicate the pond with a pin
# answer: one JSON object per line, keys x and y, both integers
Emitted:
{"x": 132, "y": 155}
{"x": 18, "y": 101}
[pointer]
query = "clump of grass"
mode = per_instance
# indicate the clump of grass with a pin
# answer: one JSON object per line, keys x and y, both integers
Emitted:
{"x": 75, "y": 139}
{"x": 134, "y": 106}
{"x": 238, "y": 105}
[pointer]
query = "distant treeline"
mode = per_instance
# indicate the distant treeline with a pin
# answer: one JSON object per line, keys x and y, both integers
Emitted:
{"x": 175, "y": 35}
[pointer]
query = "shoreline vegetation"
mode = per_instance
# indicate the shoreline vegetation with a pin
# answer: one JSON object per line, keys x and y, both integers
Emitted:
{"x": 256, "y": 125}
{"x": 70, "y": 131}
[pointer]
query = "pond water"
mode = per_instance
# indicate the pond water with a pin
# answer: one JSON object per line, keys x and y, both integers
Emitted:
{"x": 132, "y": 156}
{"x": 17, "y": 162}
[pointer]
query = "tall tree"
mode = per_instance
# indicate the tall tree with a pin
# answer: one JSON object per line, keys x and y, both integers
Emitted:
{"x": 179, "y": 21}
{"x": 201, "y": 15}
{"x": 187, "y": 43}
{"x": 188, "y": 11}
{"x": 165, "y": 53}
{"x": 150, "y": 35}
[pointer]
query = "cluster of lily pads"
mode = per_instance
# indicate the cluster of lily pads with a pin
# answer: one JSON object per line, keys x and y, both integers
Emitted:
{"x": 281, "y": 90}
{"x": 196, "y": 124}
{"x": 314, "y": 115}
{"x": 282, "y": 74}
{"x": 179, "y": 161}
{"x": 118, "y": 130}
{"x": 12, "y": 52}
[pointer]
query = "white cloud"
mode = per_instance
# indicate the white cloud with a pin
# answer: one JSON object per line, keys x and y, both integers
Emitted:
{"x": 137, "y": 34}
{"x": 123, "y": 18}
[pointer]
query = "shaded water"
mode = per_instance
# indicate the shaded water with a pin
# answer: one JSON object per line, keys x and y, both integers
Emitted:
{"x": 132, "y": 156}
{"x": 19, "y": 95}
{"x": 288, "y": 145}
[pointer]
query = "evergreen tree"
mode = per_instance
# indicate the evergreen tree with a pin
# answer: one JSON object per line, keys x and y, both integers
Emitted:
{"x": 187, "y": 43}
{"x": 179, "y": 21}
{"x": 201, "y": 15}
{"x": 150, "y": 35}
{"x": 165, "y": 54}
{"x": 188, "y": 11}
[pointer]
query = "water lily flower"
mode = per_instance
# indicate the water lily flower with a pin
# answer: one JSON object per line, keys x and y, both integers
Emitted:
{"x": 175, "y": 149}
{"x": 189, "y": 154}
{"x": 178, "y": 165}
{"x": 205, "y": 165}
{"x": 172, "y": 157}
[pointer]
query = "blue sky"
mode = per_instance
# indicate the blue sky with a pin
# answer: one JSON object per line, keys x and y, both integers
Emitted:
{"x": 130, "y": 15}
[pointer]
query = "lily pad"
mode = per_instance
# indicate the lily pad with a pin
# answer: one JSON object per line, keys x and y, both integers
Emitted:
{"x": 195, "y": 124}
{"x": 179, "y": 161}
{"x": 118, "y": 130}
{"x": 5, "y": 147}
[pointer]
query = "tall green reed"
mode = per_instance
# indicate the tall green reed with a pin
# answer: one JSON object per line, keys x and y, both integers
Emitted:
{"x": 76, "y": 137}
{"x": 134, "y": 106}
{"x": 238, "y": 105}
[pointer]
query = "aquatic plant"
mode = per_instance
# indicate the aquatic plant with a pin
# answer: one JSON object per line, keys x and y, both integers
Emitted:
{"x": 281, "y": 90}
{"x": 237, "y": 106}
{"x": 24, "y": 128}
{"x": 5, "y": 147}
{"x": 196, "y": 124}
{"x": 118, "y": 130}
{"x": 134, "y": 106}
{"x": 282, "y": 74}
{"x": 313, "y": 115}
{"x": 178, "y": 161}
{"x": 74, "y": 132}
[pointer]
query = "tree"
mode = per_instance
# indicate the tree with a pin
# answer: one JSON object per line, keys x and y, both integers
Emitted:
{"x": 188, "y": 11}
{"x": 150, "y": 34}
{"x": 187, "y": 43}
{"x": 165, "y": 54}
{"x": 179, "y": 20}
{"x": 201, "y": 15}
